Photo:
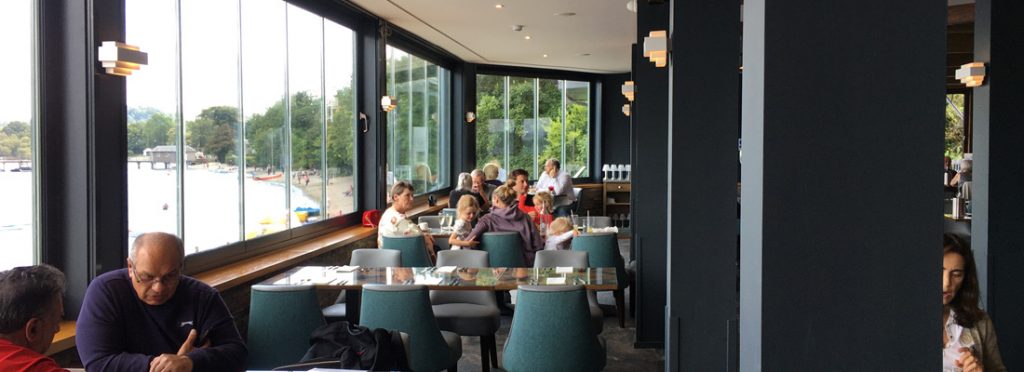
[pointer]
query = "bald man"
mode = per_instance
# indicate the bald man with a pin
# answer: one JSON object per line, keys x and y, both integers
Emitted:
{"x": 150, "y": 317}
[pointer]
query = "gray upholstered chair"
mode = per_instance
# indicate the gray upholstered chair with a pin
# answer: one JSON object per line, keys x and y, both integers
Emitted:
{"x": 366, "y": 257}
{"x": 573, "y": 259}
{"x": 406, "y": 308}
{"x": 468, "y": 313}
{"x": 549, "y": 332}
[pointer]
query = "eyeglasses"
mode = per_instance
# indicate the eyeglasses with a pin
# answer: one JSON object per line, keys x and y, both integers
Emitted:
{"x": 148, "y": 280}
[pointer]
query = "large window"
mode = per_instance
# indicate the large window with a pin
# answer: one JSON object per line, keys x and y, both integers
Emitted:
{"x": 255, "y": 101}
{"x": 418, "y": 128}
{"x": 17, "y": 128}
{"x": 520, "y": 124}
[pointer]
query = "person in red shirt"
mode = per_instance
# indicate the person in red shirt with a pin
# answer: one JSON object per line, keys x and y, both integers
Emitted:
{"x": 518, "y": 182}
{"x": 31, "y": 308}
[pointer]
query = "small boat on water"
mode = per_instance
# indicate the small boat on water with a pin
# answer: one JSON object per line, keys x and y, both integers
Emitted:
{"x": 268, "y": 177}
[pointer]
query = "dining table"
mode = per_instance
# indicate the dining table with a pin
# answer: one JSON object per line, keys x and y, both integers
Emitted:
{"x": 449, "y": 278}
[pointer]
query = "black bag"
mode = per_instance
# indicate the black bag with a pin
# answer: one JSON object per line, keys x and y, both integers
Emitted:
{"x": 357, "y": 347}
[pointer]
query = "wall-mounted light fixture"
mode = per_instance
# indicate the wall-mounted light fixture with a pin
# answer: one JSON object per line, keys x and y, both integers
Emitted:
{"x": 470, "y": 116}
{"x": 625, "y": 109}
{"x": 656, "y": 47}
{"x": 388, "y": 103}
{"x": 119, "y": 58}
{"x": 629, "y": 90}
{"x": 971, "y": 74}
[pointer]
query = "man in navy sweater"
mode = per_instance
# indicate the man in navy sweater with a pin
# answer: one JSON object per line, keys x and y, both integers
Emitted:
{"x": 150, "y": 317}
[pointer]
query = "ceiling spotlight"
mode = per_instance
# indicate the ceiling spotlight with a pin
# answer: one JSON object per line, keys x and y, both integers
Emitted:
{"x": 527, "y": 37}
{"x": 498, "y": 6}
{"x": 545, "y": 56}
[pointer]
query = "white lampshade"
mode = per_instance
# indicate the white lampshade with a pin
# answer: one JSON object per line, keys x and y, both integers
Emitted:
{"x": 656, "y": 47}
{"x": 971, "y": 74}
{"x": 120, "y": 59}
{"x": 388, "y": 103}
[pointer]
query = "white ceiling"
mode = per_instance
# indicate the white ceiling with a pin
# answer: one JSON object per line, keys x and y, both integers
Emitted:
{"x": 475, "y": 31}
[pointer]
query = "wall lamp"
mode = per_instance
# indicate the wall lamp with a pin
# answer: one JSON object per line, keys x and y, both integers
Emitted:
{"x": 629, "y": 90}
{"x": 971, "y": 74}
{"x": 625, "y": 109}
{"x": 656, "y": 47}
{"x": 388, "y": 103}
{"x": 470, "y": 116}
{"x": 120, "y": 59}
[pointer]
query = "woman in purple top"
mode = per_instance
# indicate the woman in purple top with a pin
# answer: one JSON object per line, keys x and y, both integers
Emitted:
{"x": 506, "y": 216}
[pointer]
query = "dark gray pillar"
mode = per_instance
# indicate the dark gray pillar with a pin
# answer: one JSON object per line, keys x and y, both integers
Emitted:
{"x": 841, "y": 216}
{"x": 998, "y": 203}
{"x": 650, "y": 161}
{"x": 702, "y": 168}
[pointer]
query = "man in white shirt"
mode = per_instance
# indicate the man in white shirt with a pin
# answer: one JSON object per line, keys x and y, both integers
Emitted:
{"x": 559, "y": 184}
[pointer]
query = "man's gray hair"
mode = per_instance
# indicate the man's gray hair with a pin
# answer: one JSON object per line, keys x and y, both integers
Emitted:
{"x": 478, "y": 173}
{"x": 157, "y": 238}
{"x": 27, "y": 292}
{"x": 465, "y": 182}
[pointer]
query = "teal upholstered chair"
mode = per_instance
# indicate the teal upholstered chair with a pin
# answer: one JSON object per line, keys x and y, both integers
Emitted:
{"x": 551, "y": 332}
{"x": 365, "y": 257}
{"x": 406, "y": 308}
{"x": 504, "y": 249}
{"x": 603, "y": 250}
{"x": 573, "y": 259}
{"x": 468, "y": 313}
{"x": 413, "y": 248}
{"x": 273, "y": 342}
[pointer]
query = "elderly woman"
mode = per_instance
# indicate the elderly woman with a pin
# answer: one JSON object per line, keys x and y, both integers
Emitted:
{"x": 394, "y": 221}
{"x": 465, "y": 187}
{"x": 506, "y": 216}
{"x": 968, "y": 337}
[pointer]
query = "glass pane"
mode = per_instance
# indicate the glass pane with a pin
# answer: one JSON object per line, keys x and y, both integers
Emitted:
{"x": 339, "y": 62}
{"x": 577, "y": 130}
{"x": 490, "y": 121}
{"x": 305, "y": 86}
{"x": 522, "y": 130}
{"x": 550, "y": 123}
{"x": 210, "y": 99}
{"x": 955, "y": 125}
{"x": 16, "y": 128}
{"x": 263, "y": 92}
{"x": 418, "y": 127}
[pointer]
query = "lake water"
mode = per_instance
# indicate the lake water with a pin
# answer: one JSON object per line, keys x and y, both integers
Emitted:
{"x": 212, "y": 211}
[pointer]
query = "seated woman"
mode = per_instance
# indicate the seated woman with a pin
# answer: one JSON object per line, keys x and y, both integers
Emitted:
{"x": 464, "y": 187}
{"x": 505, "y": 216}
{"x": 968, "y": 337}
{"x": 962, "y": 180}
{"x": 393, "y": 222}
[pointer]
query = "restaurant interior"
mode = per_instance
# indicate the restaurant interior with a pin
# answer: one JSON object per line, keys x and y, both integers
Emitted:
{"x": 752, "y": 184}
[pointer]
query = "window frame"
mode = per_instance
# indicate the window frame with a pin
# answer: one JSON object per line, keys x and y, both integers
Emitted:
{"x": 595, "y": 84}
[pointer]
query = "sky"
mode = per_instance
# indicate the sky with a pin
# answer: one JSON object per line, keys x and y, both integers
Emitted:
{"x": 16, "y": 95}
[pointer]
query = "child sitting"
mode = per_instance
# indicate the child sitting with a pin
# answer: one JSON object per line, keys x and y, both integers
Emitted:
{"x": 560, "y": 234}
{"x": 466, "y": 212}
{"x": 543, "y": 204}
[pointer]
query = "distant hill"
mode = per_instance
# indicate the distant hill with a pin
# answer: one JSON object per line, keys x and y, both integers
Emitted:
{"x": 138, "y": 114}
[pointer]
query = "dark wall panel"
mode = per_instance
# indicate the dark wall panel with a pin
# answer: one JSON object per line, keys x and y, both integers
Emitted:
{"x": 839, "y": 198}
{"x": 650, "y": 191}
{"x": 615, "y": 138}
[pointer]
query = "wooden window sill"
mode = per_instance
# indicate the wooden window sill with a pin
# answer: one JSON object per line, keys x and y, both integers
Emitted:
{"x": 64, "y": 339}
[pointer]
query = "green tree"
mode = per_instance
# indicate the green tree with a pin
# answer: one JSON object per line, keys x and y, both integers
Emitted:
{"x": 213, "y": 132}
{"x": 954, "y": 125}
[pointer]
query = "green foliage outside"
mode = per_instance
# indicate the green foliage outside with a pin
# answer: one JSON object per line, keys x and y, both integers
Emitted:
{"x": 954, "y": 126}
{"x": 16, "y": 141}
{"x": 523, "y": 129}
{"x": 416, "y": 139}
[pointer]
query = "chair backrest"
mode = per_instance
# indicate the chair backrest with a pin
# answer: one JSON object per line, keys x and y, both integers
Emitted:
{"x": 271, "y": 341}
{"x": 406, "y": 308}
{"x": 414, "y": 252}
{"x": 603, "y": 249}
{"x": 965, "y": 190}
{"x": 372, "y": 257}
{"x": 504, "y": 249}
{"x": 551, "y": 331}
{"x": 561, "y": 259}
{"x": 463, "y": 258}
{"x": 433, "y": 221}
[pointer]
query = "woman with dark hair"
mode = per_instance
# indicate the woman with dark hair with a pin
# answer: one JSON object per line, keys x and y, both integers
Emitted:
{"x": 968, "y": 337}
